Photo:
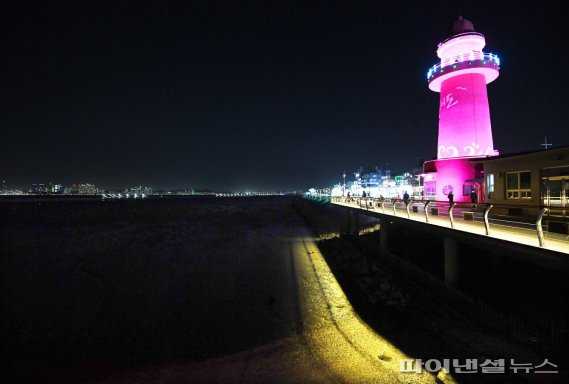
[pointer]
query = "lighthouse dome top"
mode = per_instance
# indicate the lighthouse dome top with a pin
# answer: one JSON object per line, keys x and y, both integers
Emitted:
{"x": 463, "y": 39}
{"x": 461, "y": 26}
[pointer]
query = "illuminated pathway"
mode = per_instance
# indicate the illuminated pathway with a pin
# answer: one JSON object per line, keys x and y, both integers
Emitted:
{"x": 518, "y": 233}
{"x": 332, "y": 344}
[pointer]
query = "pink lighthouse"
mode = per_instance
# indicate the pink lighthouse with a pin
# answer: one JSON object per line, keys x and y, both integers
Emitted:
{"x": 465, "y": 132}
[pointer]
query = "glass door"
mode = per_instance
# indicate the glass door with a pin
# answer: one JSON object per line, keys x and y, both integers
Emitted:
{"x": 555, "y": 194}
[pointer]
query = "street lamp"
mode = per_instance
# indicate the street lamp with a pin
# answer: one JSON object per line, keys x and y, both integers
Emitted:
{"x": 344, "y": 186}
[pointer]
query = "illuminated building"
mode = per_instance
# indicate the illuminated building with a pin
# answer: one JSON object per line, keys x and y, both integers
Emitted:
{"x": 45, "y": 189}
{"x": 465, "y": 132}
{"x": 138, "y": 191}
{"x": 83, "y": 189}
{"x": 39, "y": 189}
{"x": 57, "y": 188}
{"x": 378, "y": 182}
{"x": 369, "y": 179}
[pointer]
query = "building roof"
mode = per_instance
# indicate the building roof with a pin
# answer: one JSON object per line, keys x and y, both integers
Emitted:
{"x": 508, "y": 155}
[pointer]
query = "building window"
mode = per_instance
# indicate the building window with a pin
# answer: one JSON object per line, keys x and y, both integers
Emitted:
{"x": 518, "y": 185}
{"x": 467, "y": 189}
{"x": 490, "y": 184}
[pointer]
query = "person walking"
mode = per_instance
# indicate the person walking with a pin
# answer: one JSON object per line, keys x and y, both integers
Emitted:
{"x": 406, "y": 197}
{"x": 473, "y": 198}
{"x": 450, "y": 197}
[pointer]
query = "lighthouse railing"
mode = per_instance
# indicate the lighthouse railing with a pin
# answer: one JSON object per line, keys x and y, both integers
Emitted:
{"x": 471, "y": 56}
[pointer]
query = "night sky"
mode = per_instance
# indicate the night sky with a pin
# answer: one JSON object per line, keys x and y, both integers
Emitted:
{"x": 272, "y": 95}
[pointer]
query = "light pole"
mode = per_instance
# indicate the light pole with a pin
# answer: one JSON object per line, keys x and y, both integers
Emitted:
{"x": 344, "y": 186}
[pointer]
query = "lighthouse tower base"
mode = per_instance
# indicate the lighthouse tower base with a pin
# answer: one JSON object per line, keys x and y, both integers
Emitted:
{"x": 459, "y": 175}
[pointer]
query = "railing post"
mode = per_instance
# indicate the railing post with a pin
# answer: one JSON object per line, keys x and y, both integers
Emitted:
{"x": 427, "y": 211}
{"x": 486, "y": 222}
{"x": 538, "y": 226}
{"x": 394, "y": 202}
{"x": 382, "y": 201}
{"x": 450, "y": 214}
{"x": 407, "y": 208}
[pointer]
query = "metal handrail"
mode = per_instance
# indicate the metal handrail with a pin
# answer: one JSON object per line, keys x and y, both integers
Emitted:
{"x": 485, "y": 215}
{"x": 427, "y": 211}
{"x": 452, "y": 205}
{"x": 459, "y": 203}
{"x": 538, "y": 226}
{"x": 486, "y": 222}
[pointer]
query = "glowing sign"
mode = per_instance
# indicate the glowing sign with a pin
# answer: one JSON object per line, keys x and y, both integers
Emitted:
{"x": 449, "y": 101}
